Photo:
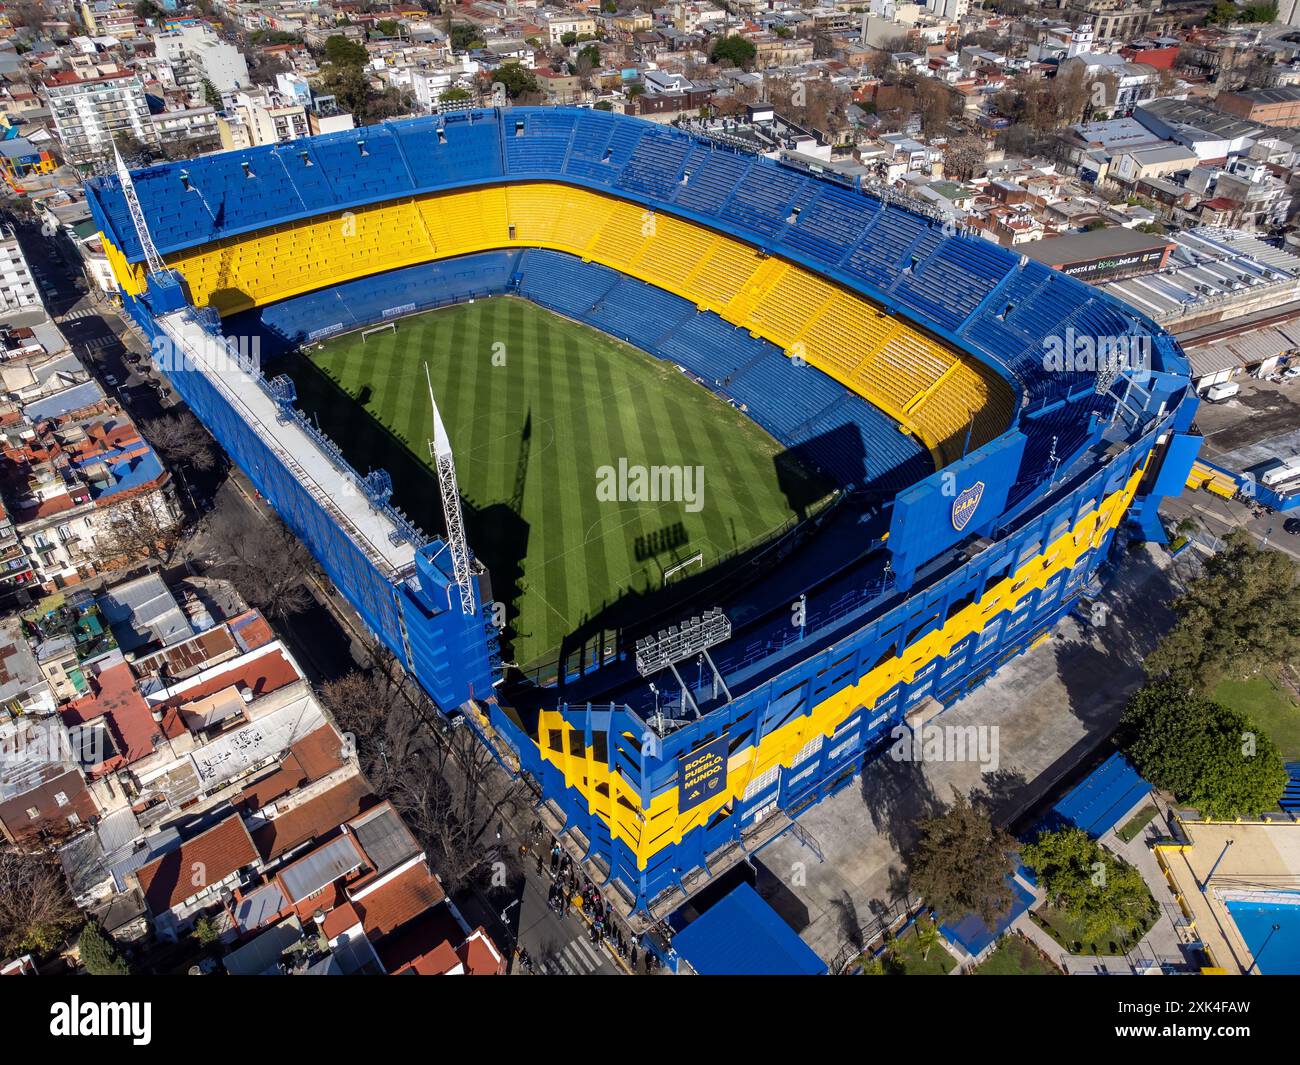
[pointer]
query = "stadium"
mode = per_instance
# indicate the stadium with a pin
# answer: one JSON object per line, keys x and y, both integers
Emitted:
{"x": 918, "y": 448}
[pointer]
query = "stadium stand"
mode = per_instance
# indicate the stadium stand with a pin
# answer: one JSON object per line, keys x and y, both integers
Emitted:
{"x": 861, "y": 334}
{"x": 799, "y": 406}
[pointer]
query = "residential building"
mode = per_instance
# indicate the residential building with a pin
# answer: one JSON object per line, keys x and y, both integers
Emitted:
{"x": 89, "y": 113}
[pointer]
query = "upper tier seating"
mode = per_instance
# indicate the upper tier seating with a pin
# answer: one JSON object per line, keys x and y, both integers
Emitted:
{"x": 822, "y": 422}
{"x": 969, "y": 291}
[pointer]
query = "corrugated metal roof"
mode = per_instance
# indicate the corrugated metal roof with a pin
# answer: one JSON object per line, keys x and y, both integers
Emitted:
{"x": 321, "y": 868}
{"x": 743, "y": 936}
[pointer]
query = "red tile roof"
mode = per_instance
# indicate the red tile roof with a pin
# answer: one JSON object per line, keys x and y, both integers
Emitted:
{"x": 386, "y": 908}
{"x": 481, "y": 956}
{"x": 200, "y": 862}
{"x": 425, "y": 945}
{"x": 320, "y": 752}
{"x": 115, "y": 698}
{"x": 314, "y": 819}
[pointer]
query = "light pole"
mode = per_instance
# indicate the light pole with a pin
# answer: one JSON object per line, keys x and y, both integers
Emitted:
{"x": 1205, "y": 884}
{"x": 1254, "y": 965}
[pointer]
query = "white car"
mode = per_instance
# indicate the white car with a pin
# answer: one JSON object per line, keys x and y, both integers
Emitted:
{"x": 1291, "y": 373}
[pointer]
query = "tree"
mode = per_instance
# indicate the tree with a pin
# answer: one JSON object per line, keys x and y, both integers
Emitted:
{"x": 210, "y": 95}
{"x": 264, "y": 559}
{"x": 36, "y": 911}
{"x": 344, "y": 52}
{"x": 1102, "y": 895}
{"x": 927, "y": 937}
{"x": 1209, "y": 756}
{"x": 441, "y": 780}
{"x": 182, "y": 438}
{"x": 960, "y": 862}
{"x": 143, "y": 528}
{"x": 387, "y": 27}
{"x": 735, "y": 50}
{"x": 1241, "y": 614}
{"x": 464, "y": 37}
{"x": 147, "y": 9}
{"x": 99, "y": 954}
{"x": 205, "y": 932}
{"x": 964, "y": 156}
{"x": 454, "y": 95}
{"x": 517, "y": 80}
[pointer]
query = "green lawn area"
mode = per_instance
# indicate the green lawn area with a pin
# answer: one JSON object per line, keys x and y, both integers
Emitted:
{"x": 1128, "y": 832}
{"x": 1067, "y": 932}
{"x": 1015, "y": 956}
{"x": 1269, "y": 705}
{"x": 530, "y": 436}
{"x": 907, "y": 957}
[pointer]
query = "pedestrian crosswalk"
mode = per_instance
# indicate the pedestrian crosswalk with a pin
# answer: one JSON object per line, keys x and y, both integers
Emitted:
{"x": 576, "y": 958}
{"x": 99, "y": 343}
{"x": 80, "y": 312}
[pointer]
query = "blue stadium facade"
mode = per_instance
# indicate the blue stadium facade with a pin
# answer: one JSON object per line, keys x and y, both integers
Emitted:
{"x": 979, "y": 524}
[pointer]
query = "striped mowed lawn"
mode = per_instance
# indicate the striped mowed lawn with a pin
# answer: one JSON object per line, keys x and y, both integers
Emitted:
{"x": 535, "y": 405}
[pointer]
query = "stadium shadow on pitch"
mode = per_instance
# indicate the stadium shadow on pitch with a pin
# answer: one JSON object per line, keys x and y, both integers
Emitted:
{"x": 498, "y": 535}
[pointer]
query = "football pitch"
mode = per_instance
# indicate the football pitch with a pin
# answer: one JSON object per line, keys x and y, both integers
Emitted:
{"x": 566, "y": 443}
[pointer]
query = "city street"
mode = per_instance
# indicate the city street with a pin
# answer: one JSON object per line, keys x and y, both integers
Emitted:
{"x": 1219, "y": 516}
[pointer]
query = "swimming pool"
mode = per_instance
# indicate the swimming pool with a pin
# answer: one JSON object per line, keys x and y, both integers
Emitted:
{"x": 1272, "y": 931}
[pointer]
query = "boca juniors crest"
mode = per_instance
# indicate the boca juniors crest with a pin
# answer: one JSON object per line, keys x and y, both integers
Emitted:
{"x": 965, "y": 505}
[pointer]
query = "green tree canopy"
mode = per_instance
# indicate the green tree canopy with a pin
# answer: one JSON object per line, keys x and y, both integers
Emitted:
{"x": 1209, "y": 756}
{"x": 590, "y": 53}
{"x": 1242, "y": 613}
{"x": 99, "y": 955}
{"x": 454, "y": 95}
{"x": 464, "y": 37}
{"x": 345, "y": 52}
{"x": 1100, "y": 893}
{"x": 735, "y": 50}
{"x": 388, "y": 27}
{"x": 518, "y": 80}
{"x": 960, "y": 862}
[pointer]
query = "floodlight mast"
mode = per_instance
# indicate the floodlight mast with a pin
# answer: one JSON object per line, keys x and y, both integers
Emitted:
{"x": 151, "y": 256}
{"x": 440, "y": 452}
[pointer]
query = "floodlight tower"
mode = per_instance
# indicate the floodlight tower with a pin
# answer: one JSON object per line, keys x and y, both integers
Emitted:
{"x": 151, "y": 256}
{"x": 440, "y": 452}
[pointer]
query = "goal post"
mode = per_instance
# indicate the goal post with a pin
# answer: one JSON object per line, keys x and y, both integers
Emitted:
{"x": 386, "y": 327}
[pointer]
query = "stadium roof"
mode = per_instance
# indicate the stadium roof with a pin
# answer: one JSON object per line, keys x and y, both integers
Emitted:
{"x": 1108, "y": 793}
{"x": 1079, "y": 247}
{"x": 743, "y": 936}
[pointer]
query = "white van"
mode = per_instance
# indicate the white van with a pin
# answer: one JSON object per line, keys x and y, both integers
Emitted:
{"x": 1222, "y": 392}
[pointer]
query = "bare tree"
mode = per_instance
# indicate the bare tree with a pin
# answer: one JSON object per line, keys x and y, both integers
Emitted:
{"x": 964, "y": 156}
{"x": 36, "y": 911}
{"x": 139, "y": 529}
{"x": 264, "y": 559}
{"x": 182, "y": 438}
{"x": 440, "y": 778}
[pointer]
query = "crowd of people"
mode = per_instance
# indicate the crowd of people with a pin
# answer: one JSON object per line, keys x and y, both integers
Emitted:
{"x": 571, "y": 890}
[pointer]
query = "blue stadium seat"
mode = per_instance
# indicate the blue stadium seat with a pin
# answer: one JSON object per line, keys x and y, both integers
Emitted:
{"x": 711, "y": 178}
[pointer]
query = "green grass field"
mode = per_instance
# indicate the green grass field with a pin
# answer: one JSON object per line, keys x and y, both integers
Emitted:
{"x": 535, "y": 405}
{"x": 1270, "y": 705}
